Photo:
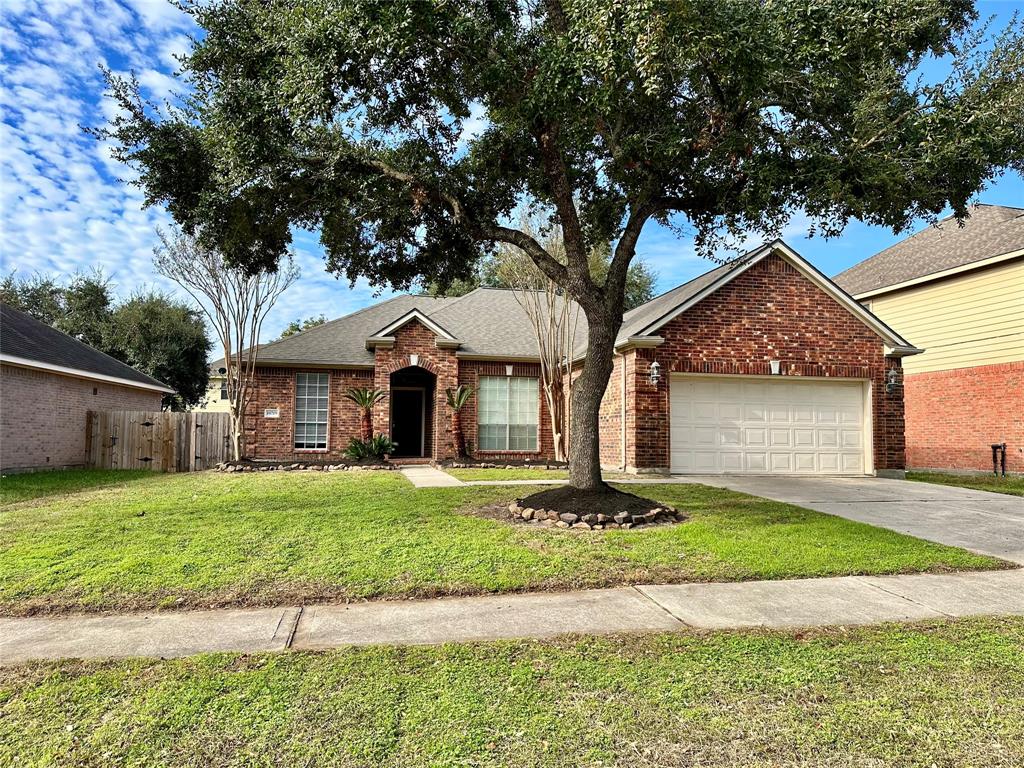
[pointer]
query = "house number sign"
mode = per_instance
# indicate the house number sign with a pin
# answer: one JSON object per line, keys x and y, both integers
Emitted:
{"x": 271, "y": 413}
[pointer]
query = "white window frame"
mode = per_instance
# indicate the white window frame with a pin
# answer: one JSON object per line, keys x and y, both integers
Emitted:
{"x": 327, "y": 417}
{"x": 535, "y": 386}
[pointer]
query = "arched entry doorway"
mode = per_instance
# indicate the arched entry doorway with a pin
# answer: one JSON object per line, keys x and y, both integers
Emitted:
{"x": 412, "y": 411}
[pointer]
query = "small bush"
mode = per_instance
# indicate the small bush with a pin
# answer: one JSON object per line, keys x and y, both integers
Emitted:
{"x": 377, "y": 447}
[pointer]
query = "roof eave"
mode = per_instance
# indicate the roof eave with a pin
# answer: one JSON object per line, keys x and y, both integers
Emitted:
{"x": 63, "y": 370}
{"x": 639, "y": 342}
{"x": 942, "y": 275}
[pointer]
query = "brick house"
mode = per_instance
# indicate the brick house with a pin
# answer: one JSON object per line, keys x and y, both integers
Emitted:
{"x": 48, "y": 382}
{"x": 959, "y": 292}
{"x": 761, "y": 365}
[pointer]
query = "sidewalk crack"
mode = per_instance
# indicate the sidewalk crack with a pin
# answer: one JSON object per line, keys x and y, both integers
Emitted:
{"x": 904, "y": 597}
{"x": 659, "y": 605}
{"x": 295, "y": 626}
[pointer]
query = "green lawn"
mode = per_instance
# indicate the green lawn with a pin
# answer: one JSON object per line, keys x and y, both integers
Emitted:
{"x": 36, "y": 485}
{"x": 1013, "y": 485}
{"x": 942, "y": 695}
{"x": 211, "y": 539}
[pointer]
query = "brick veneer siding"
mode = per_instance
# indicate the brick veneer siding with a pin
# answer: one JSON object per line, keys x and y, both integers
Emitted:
{"x": 275, "y": 388}
{"x": 414, "y": 338}
{"x": 954, "y": 416}
{"x": 770, "y": 312}
{"x": 42, "y": 416}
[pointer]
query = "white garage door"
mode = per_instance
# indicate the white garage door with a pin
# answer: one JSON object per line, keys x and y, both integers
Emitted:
{"x": 767, "y": 426}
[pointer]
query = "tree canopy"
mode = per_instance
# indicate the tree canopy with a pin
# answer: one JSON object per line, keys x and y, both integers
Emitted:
{"x": 298, "y": 325}
{"x": 640, "y": 279}
{"x": 355, "y": 119}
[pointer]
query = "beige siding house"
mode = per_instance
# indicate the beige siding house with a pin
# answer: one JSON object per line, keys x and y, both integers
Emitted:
{"x": 958, "y": 292}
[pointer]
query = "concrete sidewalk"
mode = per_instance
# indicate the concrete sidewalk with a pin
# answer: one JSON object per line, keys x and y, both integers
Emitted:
{"x": 425, "y": 476}
{"x": 651, "y": 608}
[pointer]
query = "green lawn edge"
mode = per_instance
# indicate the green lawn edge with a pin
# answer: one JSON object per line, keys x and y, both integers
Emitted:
{"x": 938, "y": 694}
{"x": 1012, "y": 485}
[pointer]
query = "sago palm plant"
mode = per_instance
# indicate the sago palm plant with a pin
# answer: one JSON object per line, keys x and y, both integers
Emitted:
{"x": 457, "y": 397}
{"x": 365, "y": 399}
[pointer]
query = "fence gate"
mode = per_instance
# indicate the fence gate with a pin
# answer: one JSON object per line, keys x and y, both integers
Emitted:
{"x": 160, "y": 440}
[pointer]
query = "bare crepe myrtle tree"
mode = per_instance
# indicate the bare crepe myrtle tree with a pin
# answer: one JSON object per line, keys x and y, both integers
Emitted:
{"x": 235, "y": 302}
{"x": 555, "y": 320}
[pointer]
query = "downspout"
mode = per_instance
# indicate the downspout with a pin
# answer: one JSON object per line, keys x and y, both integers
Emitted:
{"x": 622, "y": 417}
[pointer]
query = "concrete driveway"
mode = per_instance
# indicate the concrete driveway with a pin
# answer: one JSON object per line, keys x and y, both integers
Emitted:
{"x": 989, "y": 523}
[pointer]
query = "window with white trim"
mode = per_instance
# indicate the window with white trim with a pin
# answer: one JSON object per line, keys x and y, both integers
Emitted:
{"x": 507, "y": 413}
{"x": 311, "y": 410}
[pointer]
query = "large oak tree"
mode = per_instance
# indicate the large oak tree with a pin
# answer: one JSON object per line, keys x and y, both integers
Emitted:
{"x": 348, "y": 118}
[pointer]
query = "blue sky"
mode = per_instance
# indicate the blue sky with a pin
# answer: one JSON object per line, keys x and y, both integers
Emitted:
{"x": 65, "y": 206}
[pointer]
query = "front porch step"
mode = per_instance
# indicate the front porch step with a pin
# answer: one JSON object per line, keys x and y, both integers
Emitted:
{"x": 411, "y": 461}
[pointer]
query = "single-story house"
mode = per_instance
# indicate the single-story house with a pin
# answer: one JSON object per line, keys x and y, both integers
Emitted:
{"x": 48, "y": 382}
{"x": 761, "y": 365}
{"x": 958, "y": 291}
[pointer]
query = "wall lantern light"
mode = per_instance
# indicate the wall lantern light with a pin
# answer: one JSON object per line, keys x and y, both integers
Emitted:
{"x": 891, "y": 379}
{"x": 776, "y": 367}
{"x": 655, "y": 373}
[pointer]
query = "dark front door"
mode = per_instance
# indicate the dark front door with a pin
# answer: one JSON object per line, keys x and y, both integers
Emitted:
{"x": 407, "y": 421}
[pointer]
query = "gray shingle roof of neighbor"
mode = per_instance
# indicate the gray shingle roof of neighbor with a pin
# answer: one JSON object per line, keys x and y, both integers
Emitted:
{"x": 990, "y": 230}
{"x": 24, "y": 337}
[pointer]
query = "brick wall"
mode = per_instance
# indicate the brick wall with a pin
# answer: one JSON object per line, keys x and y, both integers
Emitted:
{"x": 414, "y": 338}
{"x": 275, "y": 388}
{"x": 954, "y": 416}
{"x": 42, "y": 415}
{"x": 770, "y": 312}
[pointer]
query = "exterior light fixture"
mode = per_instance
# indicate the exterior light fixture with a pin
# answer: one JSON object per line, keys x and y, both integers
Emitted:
{"x": 776, "y": 367}
{"x": 891, "y": 379}
{"x": 655, "y": 373}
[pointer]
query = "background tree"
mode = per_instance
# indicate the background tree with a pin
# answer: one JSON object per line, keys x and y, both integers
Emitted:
{"x": 299, "y": 325}
{"x": 236, "y": 303}
{"x": 165, "y": 338}
{"x": 156, "y": 334}
{"x": 600, "y": 115}
{"x": 640, "y": 279}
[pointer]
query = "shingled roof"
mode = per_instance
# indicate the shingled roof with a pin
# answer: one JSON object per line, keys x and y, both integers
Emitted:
{"x": 989, "y": 231}
{"x": 27, "y": 341}
{"x": 490, "y": 322}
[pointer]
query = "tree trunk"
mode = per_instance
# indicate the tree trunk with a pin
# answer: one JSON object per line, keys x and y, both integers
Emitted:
{"x": 460, "y": 445}
{"x": 365, "y": 425}
{"x": 584, "y": 435}
{"x": 236, "y": 436}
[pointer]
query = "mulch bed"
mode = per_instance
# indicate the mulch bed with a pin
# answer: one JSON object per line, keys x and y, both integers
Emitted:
{"x": 568, "y": 507}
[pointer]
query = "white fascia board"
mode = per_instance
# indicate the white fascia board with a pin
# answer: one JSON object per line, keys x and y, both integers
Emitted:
{"x": 414, "y": 314}
{"x": 385, "y": 342}
{"x": 902, "y": 351}
{"x": 62, "y": 370}
{"x": 805, "y": 268}
{"x": 639, "y": 342}
{"x": 941, "y": 275}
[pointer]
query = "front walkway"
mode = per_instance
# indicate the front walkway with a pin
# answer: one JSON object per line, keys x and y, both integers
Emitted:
{"x": 650, "y": 608}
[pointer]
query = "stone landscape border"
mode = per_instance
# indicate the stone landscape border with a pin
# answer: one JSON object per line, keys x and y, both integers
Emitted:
{"x": 596, "y": 521}
{"x": 301, "y": 466}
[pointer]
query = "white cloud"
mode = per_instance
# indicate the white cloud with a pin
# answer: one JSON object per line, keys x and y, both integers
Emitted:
{"x": 63, "y": 204}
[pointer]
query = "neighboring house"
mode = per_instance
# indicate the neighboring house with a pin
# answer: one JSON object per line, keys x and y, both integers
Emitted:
{"x": 763, "y": 366}
{"x": 48, "y": 381}
{"x": 959, "y": 293}
{"x": 216, "y": 399}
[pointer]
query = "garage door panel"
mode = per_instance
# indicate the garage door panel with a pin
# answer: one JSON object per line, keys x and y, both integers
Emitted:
{"x": 767, "y": 426}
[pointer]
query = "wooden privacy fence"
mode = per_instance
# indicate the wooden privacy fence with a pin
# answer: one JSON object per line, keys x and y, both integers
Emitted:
{"x": 160, "y": 440}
